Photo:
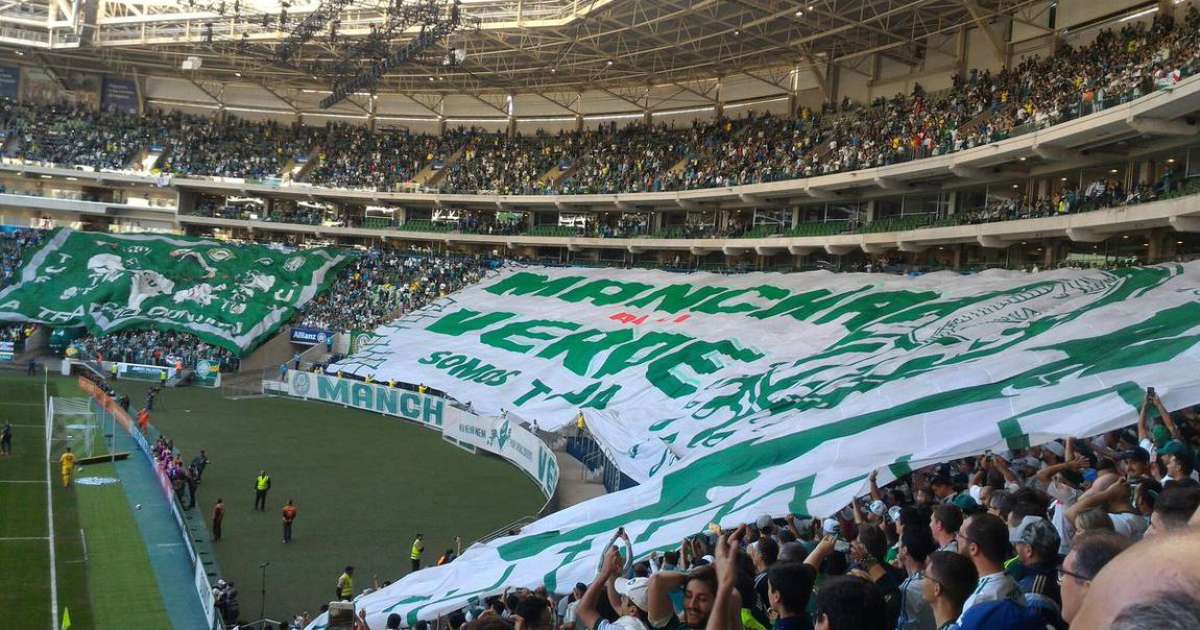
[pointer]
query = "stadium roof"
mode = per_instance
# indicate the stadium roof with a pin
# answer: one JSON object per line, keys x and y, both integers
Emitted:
{"x": 510, "y": 46}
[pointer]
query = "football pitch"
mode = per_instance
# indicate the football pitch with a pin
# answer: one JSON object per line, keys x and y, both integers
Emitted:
{"x": 101, "y": 572}
{"x": 364, "y": 485}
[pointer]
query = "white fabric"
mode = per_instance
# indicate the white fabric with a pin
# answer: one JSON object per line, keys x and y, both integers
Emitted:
{"x": 779, "y": 393}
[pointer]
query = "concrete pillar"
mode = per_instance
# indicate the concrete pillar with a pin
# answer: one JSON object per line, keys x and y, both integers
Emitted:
{"x": 1048, "y": 251}
{"x": 870, "y": 211}
{"x": 1162, "y": 246}
{"x": 720, "y": 103}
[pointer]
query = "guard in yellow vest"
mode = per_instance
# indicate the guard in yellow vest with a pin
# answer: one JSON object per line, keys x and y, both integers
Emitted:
{"x": 580, "y": 426}
{"x": 345, "y": 585}
{"x": 418, "y": 548}
{"x": 262, "y": 483}
{"x": 66, "y": 466}
{"x": 421, "y": 389}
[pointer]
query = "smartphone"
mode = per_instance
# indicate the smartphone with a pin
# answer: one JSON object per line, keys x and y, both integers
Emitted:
{"x": 842, "y": 545}
{"x": 1150, "y": 391}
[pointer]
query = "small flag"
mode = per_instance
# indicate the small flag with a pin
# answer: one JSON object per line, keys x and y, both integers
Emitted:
{"x": 66, "y": 622}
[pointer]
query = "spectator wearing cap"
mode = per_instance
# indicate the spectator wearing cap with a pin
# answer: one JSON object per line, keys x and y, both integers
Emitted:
{"x": 1173, "y": 508}
{"x": 915, "y": 546}
{"x": 1052, "y": 453}
{"x": 945, "y": 523}
{"x": 983, "y": 539}
{"x": 1036, "y": 571}
{"x": 949, "y": 580}
{"x": 1091, "y": 551}
{"x": 628, "y": 597}
{"x": 1179, "y": 461}
{"x": 1135, "y": 464}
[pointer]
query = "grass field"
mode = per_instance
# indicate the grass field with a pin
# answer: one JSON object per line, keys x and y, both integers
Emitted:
{"x": 364, "y": 485}
{"x": 110, "y": 585}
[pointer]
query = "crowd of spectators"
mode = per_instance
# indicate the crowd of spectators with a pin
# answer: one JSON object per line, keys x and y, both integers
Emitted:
{"x": 233, "y": 147}
{"x": 1014, "y": 540}
{"x": 354, "y": 157}
{"x": 152, "y": 347}
{"x": 14, "y": 243}
{"x": 513, "y": 165}
{"x": 979, "y": 107}
{"x": 383, "y": 284}
{"x": 1099, "y": 194}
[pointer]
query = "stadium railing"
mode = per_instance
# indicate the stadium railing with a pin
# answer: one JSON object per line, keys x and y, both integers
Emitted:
{"x": 203, "y": 586}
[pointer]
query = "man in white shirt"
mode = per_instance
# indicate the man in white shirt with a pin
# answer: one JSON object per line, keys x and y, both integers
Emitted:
{"x": 984, "y": 540}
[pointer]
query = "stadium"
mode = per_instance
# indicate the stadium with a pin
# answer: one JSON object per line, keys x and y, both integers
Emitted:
{"x": 599, "y": 314}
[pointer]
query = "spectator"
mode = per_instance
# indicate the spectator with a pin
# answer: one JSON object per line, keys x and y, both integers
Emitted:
{"x": 789, "y": 587}
{"x": 700, "y": 588}
{"x": 1089, "y": 554}
{"x": 1162, "y": 570}
{"x": 949, "y": 580}
{"x": 1175, "y": 505}
{"x": 944, "y": 524}
{"x": 916, "y": 545}
{"x": 983, "y": 539}
{"x": 1036, "y": 570}
{"x": 849, "y": 603}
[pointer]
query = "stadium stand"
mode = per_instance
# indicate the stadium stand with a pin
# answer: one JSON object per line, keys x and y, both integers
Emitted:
{"x": 382, "y": 285}
{"x": 1118, "y": 65}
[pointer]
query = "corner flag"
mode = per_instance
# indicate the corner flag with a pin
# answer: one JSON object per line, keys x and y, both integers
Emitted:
{"x": 66, "y": 621}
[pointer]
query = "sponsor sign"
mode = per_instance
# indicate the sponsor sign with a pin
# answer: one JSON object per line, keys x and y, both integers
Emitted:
{"x": 310, "y": 336}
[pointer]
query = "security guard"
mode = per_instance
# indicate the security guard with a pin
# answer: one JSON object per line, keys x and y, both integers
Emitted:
{"x": 418, "y": 548}
{"x": 345, "y": 585}
{"x": 261, "y": 484}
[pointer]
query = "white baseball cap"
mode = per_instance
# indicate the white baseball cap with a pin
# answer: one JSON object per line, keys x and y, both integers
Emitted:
{"x": 636, "y": 589}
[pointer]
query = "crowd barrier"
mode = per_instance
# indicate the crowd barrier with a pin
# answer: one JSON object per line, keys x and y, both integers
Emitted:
{"x": 203, "y": 586}
{"x": 497, "y": 435}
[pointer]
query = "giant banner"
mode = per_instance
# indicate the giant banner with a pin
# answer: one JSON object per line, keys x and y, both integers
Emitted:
{"x": 498, "y": 435}
{"x": 232, "y": 296}
{"x": 778, "y": 394}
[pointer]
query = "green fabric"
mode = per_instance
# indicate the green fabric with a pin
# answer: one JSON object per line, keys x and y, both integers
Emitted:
{"x": 231, "y": 296}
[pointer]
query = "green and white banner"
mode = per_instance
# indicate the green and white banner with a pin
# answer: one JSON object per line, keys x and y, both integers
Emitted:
{"x": 777, "y": 393}
{"x": 232, "y": 296}
{"x": 498, "y": 435}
